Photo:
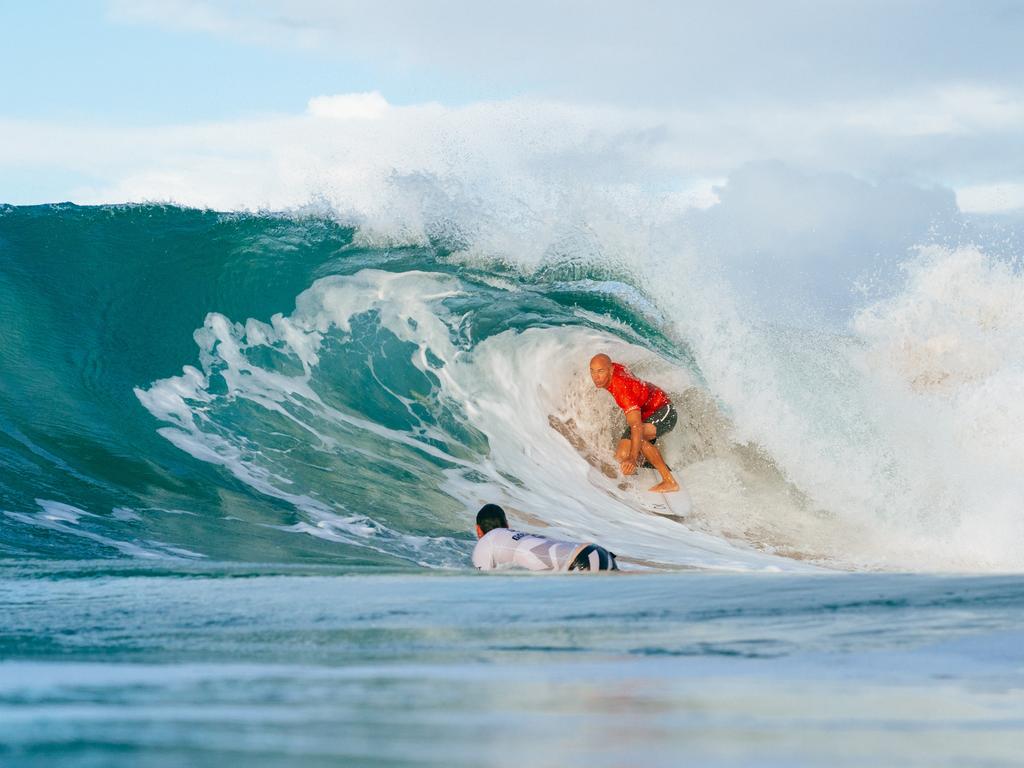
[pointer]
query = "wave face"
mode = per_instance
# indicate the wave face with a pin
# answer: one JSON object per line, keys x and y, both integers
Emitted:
{"x": 181, "y": 384}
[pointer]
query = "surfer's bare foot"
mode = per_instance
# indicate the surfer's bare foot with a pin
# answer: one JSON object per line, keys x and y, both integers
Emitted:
{"x": 665, "y": 486}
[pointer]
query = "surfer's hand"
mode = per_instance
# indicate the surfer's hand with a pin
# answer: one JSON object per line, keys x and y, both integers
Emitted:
{"x": 628, "y": 467}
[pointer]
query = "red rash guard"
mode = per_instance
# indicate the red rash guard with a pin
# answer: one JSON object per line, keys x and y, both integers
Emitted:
{"x": 631, "y": 393}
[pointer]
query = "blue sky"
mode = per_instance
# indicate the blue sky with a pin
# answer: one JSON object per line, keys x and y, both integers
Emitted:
{"x": 79, "y": 61}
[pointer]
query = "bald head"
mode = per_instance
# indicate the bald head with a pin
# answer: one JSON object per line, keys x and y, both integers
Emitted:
{"x": 601, "y": 370}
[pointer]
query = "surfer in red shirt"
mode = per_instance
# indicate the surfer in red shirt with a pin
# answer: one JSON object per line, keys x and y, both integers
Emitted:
{"x": 649, "y": 415}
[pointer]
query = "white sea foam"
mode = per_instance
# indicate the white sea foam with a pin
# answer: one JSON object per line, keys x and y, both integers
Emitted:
{"x": 904, "y": 433}
{"x": 64, "y": 519}
{"x": 945, "y": 361}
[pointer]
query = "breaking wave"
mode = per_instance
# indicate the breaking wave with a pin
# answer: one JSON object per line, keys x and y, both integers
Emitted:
{"x": 182, "y": 384}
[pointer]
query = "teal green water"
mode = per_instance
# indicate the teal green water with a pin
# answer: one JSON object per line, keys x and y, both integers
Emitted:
{"x": 114, "y": 667}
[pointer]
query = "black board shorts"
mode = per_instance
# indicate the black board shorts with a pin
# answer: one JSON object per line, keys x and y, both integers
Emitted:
{"x": 664, "y": 421}
{"x": 594, "y": 558}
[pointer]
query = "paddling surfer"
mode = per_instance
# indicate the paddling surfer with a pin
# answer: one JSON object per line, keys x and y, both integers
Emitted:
{"x": 500, "y": 546}
{"x": 649, "y": 415}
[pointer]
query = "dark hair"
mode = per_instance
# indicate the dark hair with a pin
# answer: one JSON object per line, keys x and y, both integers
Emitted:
{"x": 491, "y": 516}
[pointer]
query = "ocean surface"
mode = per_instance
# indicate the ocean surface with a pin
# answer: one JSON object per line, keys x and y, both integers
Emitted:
{"x": 240, "y": 456}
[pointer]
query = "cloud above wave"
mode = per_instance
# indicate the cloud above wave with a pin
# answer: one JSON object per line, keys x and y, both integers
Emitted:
{"x": 344, "y": 147}
{"x": 653, "y": 53}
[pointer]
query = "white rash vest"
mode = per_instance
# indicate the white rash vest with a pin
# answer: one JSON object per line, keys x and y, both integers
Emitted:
{"x": 502, "y": 547}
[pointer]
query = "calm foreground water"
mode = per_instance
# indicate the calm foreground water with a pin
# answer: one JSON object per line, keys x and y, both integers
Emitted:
{"x": 217, "y": 666}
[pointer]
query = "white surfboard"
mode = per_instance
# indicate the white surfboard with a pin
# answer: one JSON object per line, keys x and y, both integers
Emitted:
{"x": 677, "y": 504}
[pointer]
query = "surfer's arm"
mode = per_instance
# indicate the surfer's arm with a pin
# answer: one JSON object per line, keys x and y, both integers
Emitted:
{"x": 482, "y": 556}
{"x": 636, "y": 431}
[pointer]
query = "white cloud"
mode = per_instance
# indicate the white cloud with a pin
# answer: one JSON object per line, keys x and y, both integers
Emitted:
{"x": 952, "y": 110}
{"x": 349, "y": 106}
{"x": 991, "y": 198}
{"x": 685, "y": 53}
{"x": 349, "y": 149}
